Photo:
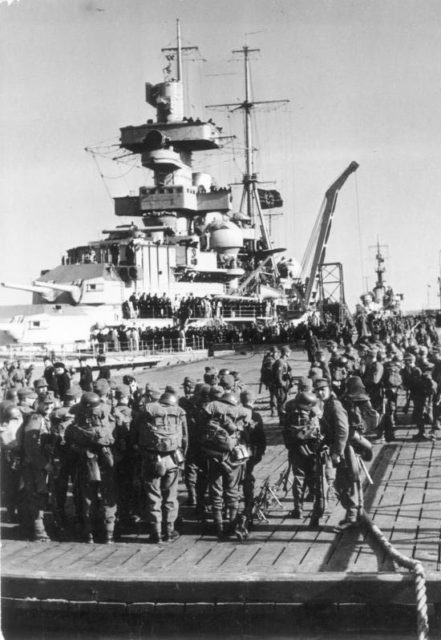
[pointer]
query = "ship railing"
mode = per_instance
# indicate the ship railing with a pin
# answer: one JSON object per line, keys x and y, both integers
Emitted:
{"x": 28, "y": 354}
{"x": 244, "y": 311}
{"x": 152, "y": 347}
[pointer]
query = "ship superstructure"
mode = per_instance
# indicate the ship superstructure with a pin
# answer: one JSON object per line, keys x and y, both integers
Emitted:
{"x": 189, "y": 240}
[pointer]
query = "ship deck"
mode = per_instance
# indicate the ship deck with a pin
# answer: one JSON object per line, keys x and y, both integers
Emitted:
{"x": 283, "y": 563}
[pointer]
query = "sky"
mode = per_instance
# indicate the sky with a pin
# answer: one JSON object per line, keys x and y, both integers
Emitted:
{"x": 363, "y": 80}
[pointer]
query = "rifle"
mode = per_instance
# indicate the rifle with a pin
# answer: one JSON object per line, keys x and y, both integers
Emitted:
{"x": 264, "y": 500}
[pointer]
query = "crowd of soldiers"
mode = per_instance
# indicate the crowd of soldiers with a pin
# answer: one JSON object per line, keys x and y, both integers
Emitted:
{"x": 350, "y": 401}
{"x": 122, "y": 450}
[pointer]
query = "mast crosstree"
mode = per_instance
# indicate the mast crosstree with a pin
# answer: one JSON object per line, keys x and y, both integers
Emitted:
{"x": 250, "y": 201}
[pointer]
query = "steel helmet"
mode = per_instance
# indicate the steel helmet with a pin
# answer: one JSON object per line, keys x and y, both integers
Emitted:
{"x": 229, "y": 398}
{"x": 90, "y": 400}
{"x": 168, "y": 399}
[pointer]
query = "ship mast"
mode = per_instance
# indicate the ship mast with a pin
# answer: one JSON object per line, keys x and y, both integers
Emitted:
{"x": 178, "y": 48}
{"x": 250, "y": 201}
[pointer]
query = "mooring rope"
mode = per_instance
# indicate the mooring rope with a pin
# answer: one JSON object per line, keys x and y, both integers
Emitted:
{"x": 409, "y": 563}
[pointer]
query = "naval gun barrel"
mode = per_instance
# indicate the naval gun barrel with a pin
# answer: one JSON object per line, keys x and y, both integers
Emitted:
{"x": 73, "y": 289}
{"x": 21, "y": 287}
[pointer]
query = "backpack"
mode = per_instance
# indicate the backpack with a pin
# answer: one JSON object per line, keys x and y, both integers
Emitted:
{"x": 162, "y": 432}
{"x": 428, "y": 385}
{"x": 215, "y": 440}
{"x": 299, "y": 430}
{"x": 392, "y": 377}
{"x": 266, "y": 372}
{"x": 362, "y": 417}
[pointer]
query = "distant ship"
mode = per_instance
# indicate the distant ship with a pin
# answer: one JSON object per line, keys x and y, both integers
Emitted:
{"x": 190, "y": 241}
{"x": 382, "y": 299}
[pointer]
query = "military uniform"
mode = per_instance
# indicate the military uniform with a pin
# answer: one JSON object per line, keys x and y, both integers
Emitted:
{"x": 372, "y": 379}
{"x": 302, "y": 439}
{"x": 122, "y": 415}
{"x": 266, "y": 376}
{"x": 335, "y": 430}
{"x": 282, "y": 382}
{"x": 224, "y": 472}
{"x": 161, "y": 435}
{"x": 10, "y": 455}
{"x": 65, "y": 461}
{"x": 91, "y": 437}
{"x": 37, "y": 449}
{"x": 255, "y": 436}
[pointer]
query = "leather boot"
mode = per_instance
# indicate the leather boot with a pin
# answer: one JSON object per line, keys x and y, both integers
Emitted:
{"x": 191, "y": 500}
{"x": 232, "y": 518}
{"x": 218, "y": 524}
{"x": 155, "y": 534}
{"x": 171, "y": 535}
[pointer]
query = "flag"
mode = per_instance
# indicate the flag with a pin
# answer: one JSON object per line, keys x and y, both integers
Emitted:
{"x": 270, "y": 198}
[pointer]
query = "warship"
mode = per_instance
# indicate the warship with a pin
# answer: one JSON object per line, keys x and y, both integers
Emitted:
{"x": 381, "y": 300}
{"x": 188, "y": 239}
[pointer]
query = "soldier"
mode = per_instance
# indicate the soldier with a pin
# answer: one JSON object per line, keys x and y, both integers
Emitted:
{"x": 312, "y": 345}
{"x": 221, "y": 430}
{"x": 281, "y": 373}
{"x": 392, "y": 381}
{"x": 26, "y": 400}
{"x": 161, "y": 437}
{"x": 86, "y": 375}
{"x": 266, "y": 376}
{"x": 322, "y": 364}
{"x": 122, "y": 414}
{"x": 257, "y": 441}
{"x": 335, "y": 430}
{"x": 37, "y": 450}
{"x": 187, "y": 402}
{"x": 425, "y": 391}
{"x": 91, "y": 437}
{"x": 301, "y": 435}
{"x": 50, "y": 376}
{"x": 102, "y": 388}
{"x": 40, "y": 386}
{"x": 65, "y": 460}
{"x": 339, "y": 373}
{"x": 332, "y": 347}
{"x": 10, "y": 455}
{"x": 372, "y": 380}
{"x": 203, "y": 394}
{"x": 436, "y": 375}
{"x": 62, "y": 380}
{"x": 410, "y": 375}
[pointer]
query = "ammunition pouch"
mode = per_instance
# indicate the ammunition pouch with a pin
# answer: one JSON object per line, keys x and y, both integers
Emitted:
{"x": 92, "y": 466}
{"x": 241, "y": 453}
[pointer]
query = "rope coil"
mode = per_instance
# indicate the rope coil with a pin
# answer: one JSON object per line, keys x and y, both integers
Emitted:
{"x": 409, "y": 563}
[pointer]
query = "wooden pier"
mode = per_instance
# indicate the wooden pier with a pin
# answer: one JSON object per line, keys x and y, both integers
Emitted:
{"x": 284, "y": 561}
